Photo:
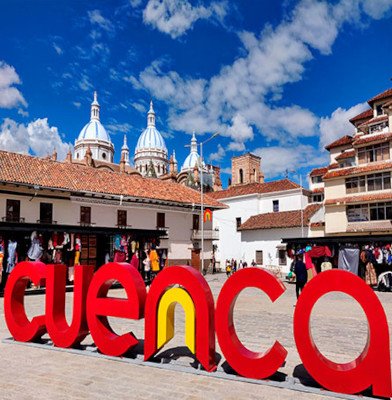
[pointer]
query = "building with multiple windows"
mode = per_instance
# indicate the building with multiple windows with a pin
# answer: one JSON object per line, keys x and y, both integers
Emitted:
{"x": 71, "y": 206}
{"x": 259, "y": 215}
{"x": 357, "y": 183}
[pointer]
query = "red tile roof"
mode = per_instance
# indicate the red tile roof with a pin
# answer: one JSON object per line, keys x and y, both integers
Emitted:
{"x": 255, "y": 188}
{"x": 318, "y": 190}
{"x": 363, "y": 115}
{"x": 343, "y": 141}
{"x": 318, "y": 171}
{"x": 381, "y": 96}
{"x": 357, "y": 170}
{"x": 283, "y": 219}
{"x": 346, "y": 154}
{"x": 367, "y": 139}
{"x": 374, "y": 121}
{"x": 333, "y": 166}
{"x": 361, "y": 198}
{"x": 387, "y": 104}
{"x": 29, "y": 170}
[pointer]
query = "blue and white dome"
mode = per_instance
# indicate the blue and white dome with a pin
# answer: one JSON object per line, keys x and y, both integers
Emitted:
{"x": 193, "y": 157}
{"x": 151, "y": 139}
{"x": 151, "y": 150}
{"x": 94, "y": 137}
{"x": 94, "y": 130}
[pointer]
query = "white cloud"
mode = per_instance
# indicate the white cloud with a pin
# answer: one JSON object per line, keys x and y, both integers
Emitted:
{"x": 253, "y": 83}
{"x": 377, "y": 9}
{"x": 96, "y": 18}
{"x": 176, "y": 17}
{"x": 116, "y": 127}
{"x": 10, "y": 96}
{"x": 139, "y": 107}
{"x": 219, "y": 155}
{"x": 275, "y": 160}
{"x": 85, "y": 84}
{"x": 57, "y": 48}
{"x": 338, "y": 125}
{"x": 37, "y": 138}
{"x": 239, "y": 132}
{"x": 135, "y": 3}
{"x": 77, "y": 104}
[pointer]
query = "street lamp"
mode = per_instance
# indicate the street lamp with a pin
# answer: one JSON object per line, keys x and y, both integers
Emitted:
{"x": 202, "y": 197}
{"x": 302, "y": 208}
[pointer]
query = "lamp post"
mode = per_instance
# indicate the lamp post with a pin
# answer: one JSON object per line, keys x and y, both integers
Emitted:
{"x": 202, "y": 197}
{"x": 302, "y": 208}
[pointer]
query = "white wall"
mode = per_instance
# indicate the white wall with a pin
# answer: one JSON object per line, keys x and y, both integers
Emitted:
{"x": 67, "y": 212}
{"x": 230, "y": 244}
{"x": 267, "y": 240}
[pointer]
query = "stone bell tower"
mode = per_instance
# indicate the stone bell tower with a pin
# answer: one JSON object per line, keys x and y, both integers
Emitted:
{"x": 246, "y": 169}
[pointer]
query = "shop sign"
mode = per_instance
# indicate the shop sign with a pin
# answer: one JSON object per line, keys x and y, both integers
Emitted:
{"x": 203, "y": 322}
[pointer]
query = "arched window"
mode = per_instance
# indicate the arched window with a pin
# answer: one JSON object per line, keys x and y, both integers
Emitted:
{"x": 104, "y": 156}
{"x": 241, "y": 176}
{"x": 159, "y": 169}
{"x": 254, "y": 175}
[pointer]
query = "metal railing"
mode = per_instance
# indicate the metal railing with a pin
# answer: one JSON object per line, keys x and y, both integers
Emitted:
{"x": 13, "y": 219}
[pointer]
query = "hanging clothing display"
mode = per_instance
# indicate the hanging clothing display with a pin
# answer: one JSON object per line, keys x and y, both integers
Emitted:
{"x": 370, "y": 275}
{"x": 35, "y": 251}
{"x": 348, "y": 259}
{"x": 12, "y": 256}
{"x": 154, "y": 259}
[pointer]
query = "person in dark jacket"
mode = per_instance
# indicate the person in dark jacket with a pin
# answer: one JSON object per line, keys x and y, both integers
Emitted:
{"x": 300, "y": 274}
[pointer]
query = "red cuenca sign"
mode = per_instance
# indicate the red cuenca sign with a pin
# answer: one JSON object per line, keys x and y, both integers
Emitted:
{"x": 204, "y": 321}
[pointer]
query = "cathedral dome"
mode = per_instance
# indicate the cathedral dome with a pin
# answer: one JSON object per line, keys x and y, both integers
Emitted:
{"x": 94, "y": 130}
{"x": 94, "y": 137}
{"x": 151, "y": 151}
{"x": 150, "y": 139}
{"x": 193, "y": 157}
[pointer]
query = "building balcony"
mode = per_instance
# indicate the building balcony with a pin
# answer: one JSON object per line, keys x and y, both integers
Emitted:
{"x": 19, "y": 220}
{"x": 46, "y": 221}
{"x": 209, "y": 234}
{"x": 165, "y": 232}
{"x": 370, "y": 226}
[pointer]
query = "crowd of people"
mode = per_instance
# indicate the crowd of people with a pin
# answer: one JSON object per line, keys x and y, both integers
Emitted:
{"x": 233, "y": 266}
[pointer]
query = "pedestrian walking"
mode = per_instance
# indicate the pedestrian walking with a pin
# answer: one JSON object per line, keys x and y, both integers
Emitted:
{"x": 228, "y": 268}
{"x": 300, "y": 274}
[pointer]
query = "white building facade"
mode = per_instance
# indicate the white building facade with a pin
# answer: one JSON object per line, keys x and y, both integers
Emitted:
{"x": 258, "y": 216}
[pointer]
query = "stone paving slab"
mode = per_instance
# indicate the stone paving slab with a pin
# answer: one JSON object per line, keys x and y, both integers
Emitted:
{"x": 338, "y": 324}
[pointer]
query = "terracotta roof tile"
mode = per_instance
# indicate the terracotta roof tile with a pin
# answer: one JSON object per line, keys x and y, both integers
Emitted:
{"x": 255, "y": 188}
{"x": 333, "y": 166}
{"x": 361, "y": 198}
{"x": 25, "y": 169}
{"x": 387, "y": 104}
{"x": 363, "y": 115}
{"x": 318, "y": 190}
{"x": 365, "y": 139}
{"x": 346, "y": 154}
{"x": 357, "y": 170}
{"x": 383, "y": 95}
{"x": 284, "y": 219}
{"x": 374, "y": 121}
{"x": 318, "y": 171}
{"x": 343, "y": 141}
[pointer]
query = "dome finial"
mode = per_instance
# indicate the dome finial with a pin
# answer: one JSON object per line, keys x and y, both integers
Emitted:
{"x": 95, "y": 107}
{"x": 151, "y": 116}
{"x": 194, "y": 143}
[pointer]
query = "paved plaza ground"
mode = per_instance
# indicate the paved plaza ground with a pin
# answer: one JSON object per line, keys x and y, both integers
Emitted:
{"x": 338, "y": 324}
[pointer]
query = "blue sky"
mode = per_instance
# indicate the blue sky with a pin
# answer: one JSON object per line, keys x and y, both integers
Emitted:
{"x": 280, "y": 79}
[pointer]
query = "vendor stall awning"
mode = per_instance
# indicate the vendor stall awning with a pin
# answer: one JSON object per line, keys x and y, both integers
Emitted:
{"x": 338, "y": 239}
{"x": 23, "y": 227}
